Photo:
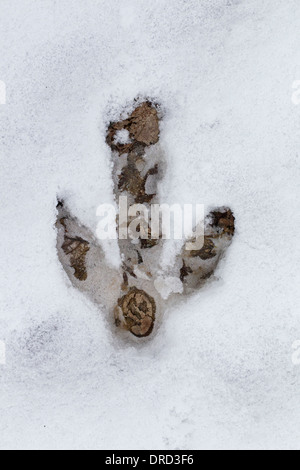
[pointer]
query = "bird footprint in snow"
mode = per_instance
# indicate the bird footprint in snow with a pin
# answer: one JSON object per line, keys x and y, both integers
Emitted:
{"x": 137, "y": 293}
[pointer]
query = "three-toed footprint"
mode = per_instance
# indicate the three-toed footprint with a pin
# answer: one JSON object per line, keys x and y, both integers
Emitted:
{"x": 139, "y": 291}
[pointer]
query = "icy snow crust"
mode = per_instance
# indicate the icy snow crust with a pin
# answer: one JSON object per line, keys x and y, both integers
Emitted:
{"x": 219, "y": 372}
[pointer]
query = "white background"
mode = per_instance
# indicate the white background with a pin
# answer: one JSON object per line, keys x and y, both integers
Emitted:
{"x": 219, "y": 373}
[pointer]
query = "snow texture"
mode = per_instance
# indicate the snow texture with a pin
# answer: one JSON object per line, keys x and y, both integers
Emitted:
{"x": 122, "y": 137}
{"x": 219, "y": 373}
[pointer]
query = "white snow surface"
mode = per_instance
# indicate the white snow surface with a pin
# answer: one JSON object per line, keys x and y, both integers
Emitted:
{"x": 219, "y": 373}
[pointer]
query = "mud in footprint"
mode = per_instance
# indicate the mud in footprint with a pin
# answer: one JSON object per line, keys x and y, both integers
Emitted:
{"x": 135, "y": 295}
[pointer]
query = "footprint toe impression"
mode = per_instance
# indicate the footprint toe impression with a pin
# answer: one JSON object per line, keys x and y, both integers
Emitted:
{"x": 137, "y": 294}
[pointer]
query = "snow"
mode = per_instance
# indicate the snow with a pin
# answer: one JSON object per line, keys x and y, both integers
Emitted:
{"x": 122, "y": 137}
{"x": 219, "y": 373}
